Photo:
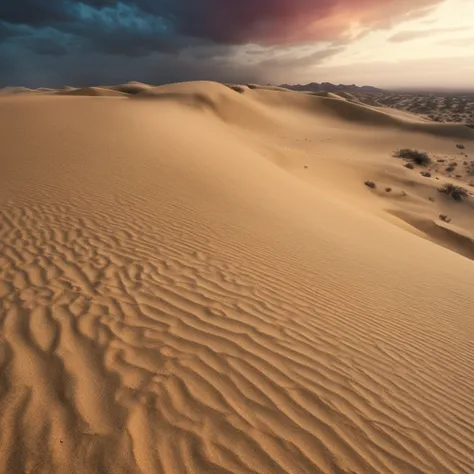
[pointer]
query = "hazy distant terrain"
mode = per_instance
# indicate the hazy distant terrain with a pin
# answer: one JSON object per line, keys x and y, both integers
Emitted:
{"x": 329, "y": 87}
{"x": 438, "y": 107}
{"x": 455, "y": 107}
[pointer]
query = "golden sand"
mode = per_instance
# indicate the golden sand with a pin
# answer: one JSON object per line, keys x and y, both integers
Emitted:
{"x": 196, "y": 280}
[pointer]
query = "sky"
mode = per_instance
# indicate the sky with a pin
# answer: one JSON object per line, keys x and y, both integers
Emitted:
{"x": 384, "y": 43}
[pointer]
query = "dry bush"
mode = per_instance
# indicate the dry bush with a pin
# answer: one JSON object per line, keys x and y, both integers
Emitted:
{"x": 420, "y": 158}
{"x": 458, "y": 193}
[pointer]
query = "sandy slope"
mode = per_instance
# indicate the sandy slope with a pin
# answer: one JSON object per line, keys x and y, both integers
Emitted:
{"x": 196, "y": 280}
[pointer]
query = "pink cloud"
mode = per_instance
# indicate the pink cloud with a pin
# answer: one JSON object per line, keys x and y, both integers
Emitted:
{"x": 292, "y": 21}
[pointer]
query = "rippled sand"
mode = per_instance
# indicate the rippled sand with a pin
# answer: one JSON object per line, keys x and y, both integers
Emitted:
{"x": 195, "y": 279}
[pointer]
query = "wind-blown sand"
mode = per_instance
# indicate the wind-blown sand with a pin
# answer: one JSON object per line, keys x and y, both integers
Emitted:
{"x": 196, "y": 280}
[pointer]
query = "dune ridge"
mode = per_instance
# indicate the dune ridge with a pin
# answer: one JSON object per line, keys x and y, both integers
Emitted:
{"x": 202, "y": 283}
{"x": 90, "y": 92}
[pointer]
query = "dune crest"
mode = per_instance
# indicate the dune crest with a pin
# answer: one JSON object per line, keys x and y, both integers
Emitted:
{"x": 90, "y": 92}
{"x": 197, "y": 280}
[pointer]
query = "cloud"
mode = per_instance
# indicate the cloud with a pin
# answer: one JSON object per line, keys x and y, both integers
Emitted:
{"x": 232, "y": 22}
{"x": 280, "y": 21}
{"x": 457, "y": 42}
{"x": 92, "y": 69}
{"x": 43, "y": 41}
{"x": 124, "y": 30}
{"x": 293, "y": 21}
{"x": 35, "y": 12}
{"x": 200, "y": 34}
{"x": 404, "y": 36}
{"x": 293, "y": 61}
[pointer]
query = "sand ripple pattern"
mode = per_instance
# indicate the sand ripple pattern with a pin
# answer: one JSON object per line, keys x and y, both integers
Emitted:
{"x": 128, "y": 351}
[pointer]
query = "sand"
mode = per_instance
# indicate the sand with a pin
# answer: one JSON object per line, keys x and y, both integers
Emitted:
{"x": 197, "y": 280}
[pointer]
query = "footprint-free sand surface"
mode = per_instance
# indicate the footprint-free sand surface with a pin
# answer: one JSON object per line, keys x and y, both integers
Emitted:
{"x": 195, "y": 279}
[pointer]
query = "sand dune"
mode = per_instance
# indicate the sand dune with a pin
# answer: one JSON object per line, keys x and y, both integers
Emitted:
{"x": 132, "y": 87}
{"x": 196, "y": 280}
{"x": 15, "y": 90}
{"x": 91, "y": 92}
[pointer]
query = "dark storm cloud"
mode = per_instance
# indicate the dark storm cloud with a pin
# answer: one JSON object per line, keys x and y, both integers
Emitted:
{"x": 118, "y": 29}
{"x": 133, "y": 29}
{"x": 35, "y": 12}
{"x": 6, "y": 31}
{"x": 43, "y": 40}
{"x": 125, "y": 30}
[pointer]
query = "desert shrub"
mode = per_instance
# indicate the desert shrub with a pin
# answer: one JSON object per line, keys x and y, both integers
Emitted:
{"x": 252, "y": 86}
{"x": 388, "y": 190}
{"x": 410, "y": 166}
{"x": 445, "y": 218}
{"x": 458, "y": 193}
{"x": 370, "y": 184}
{"x": 420, "y": 158}
{"x": 450, "y": 169}
{"x": 460, "y": 146}
{"x": 426, "y": 174}
{"x": 440, "y": 161}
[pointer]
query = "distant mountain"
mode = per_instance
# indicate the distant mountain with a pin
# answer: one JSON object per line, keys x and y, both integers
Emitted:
{"x": 328, "y": 87}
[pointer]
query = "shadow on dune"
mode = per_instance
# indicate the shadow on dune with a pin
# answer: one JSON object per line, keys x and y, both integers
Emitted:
{"x": 217, "y": 97}
{"x": 446, "y": 235}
